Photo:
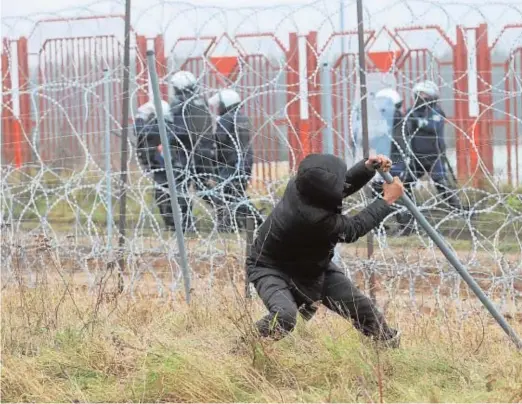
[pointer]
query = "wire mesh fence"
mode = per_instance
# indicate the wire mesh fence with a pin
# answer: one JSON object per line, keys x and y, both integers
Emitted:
{"x": 295, "y": 67}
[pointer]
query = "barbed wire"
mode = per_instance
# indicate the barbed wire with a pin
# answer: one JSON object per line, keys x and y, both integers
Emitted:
{"x": 297, "y": 75}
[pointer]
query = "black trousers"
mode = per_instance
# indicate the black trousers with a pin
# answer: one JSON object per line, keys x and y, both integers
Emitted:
{"x": 285, "y": 298}
{"x": 233, "y": 203}
{"x": 162, "y": 197}
{"x": 201, "y": 176}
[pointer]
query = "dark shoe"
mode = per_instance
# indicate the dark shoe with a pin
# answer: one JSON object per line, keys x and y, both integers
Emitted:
{"x": 406, "y": 224}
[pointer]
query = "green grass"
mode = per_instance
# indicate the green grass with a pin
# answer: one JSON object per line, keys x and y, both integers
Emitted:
{"x": 83, "y": 206}
{"x": 507, "y": 244}
{"x": 147, "y": 350}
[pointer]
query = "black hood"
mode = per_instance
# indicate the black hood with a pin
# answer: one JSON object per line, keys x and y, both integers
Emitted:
{"x": 321, "y": 179}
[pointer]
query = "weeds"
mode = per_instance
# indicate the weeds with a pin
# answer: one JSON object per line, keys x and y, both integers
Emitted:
{"x": 148, "y": 349}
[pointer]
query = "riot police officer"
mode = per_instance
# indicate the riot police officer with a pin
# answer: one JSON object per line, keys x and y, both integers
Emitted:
{"x": 192, "y": 123}
{"x": 235, "y": 159}
{"x": 151, "y": 157}
{"x": 425, "y": 131}
{"x": 418, "y": 146}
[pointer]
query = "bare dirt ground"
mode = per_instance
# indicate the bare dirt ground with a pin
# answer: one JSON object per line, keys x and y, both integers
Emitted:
{"x": 417, "y": 276}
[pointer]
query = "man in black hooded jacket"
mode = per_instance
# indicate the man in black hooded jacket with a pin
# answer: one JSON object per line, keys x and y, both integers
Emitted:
{"x": 290, "y": 263}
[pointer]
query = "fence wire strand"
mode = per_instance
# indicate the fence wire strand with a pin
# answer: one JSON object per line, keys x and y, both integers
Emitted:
{"x": 53, "y": 185}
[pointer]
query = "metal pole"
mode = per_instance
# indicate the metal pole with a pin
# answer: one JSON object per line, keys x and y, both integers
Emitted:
{"x": 452, "y": 258}
{"x": 106, "y": 85}
{"x": 326, "y": 107}
{"x": 124, "y": 136}
{"x": 170, "y": 171}
{"x": 362, "y": 79}
{"x": 250, "y": 229}
{"x": 1, "y": 127}
{"x": 344, "y": 88}
{"x": 364, "y": 123}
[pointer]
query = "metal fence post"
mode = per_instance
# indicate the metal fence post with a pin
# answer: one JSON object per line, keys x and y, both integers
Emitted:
{"x": 122, "y": 225}
{"x": 170, "y": 172}
{"x": 250, "y": 228}
{"x": 349, "y": 150}
{"x": 107, "y": 94}
{"x": 452, "y": 258}
{"x": 326, "y": 107}
{"x": 364, "y": 127}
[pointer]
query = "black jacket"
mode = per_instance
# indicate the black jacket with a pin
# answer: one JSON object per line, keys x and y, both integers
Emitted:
{"x": 234, "y": 137}
{"x": 299, "y": 236}
{"x": 148, "y": 142}
{"x": 425, "y": 130}
{"x": 398, "y": 149}
{"x": 193, "y": 128}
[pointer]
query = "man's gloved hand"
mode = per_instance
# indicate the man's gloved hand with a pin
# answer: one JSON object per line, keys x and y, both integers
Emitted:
{"x": 383, "y": 162}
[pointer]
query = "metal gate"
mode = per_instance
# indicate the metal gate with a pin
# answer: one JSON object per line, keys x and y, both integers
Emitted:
{"x": 506, "y": 62}
{"x": 70, "y": 95}
{"x": 57, "y": 113}
{"x": 343, "y": 76}
{"x": 16, "y": 109}
{"x": 409, "y": 64}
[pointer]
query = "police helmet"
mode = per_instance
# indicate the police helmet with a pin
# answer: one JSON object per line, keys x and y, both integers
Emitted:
{"x": 391, "y": 94}
{"x": 427, "y": 89}
{"x": 224, "y": 100}
{"x": 147, "y": 111}
{"x": 183, "y": 81}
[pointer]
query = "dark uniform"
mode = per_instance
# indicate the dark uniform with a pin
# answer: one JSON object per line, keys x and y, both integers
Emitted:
{"x": 290, "y": 263}
{"x": 235, "y": 159}
{"x": 197, "y": 157}
{"x": 192, "y": 119}
{"x": 151, "y": 158}
{"x": 425, "y": 132}
{"x": 419, "y": 138}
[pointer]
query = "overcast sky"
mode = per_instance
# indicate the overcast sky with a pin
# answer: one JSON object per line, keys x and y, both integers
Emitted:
{"x": 212, "y": 17}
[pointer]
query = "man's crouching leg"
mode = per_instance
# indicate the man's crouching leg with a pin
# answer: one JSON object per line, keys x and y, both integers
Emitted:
{"x": 344, "y": 298}
{"x": 278, "y": 299}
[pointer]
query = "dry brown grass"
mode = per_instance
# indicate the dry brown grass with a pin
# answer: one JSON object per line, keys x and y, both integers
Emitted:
{"x": 60, "y": 344}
